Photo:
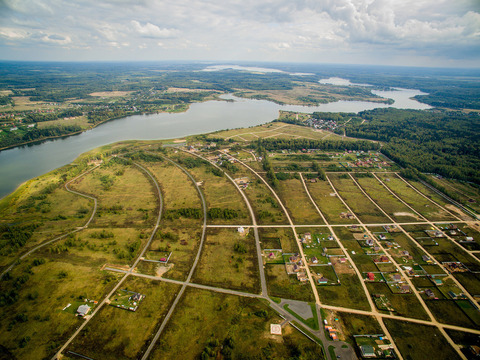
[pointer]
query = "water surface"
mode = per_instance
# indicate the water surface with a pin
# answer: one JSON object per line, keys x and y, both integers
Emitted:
{"x": 22, "y": 163}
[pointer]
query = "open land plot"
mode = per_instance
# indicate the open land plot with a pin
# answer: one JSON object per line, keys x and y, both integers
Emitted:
{"x": 470, "y": 281}
{"x": 468, "y": 194}
{"x": 439, "y": 200}
{"x": 32, "y": 323}
{"x": 470, "y": 309}
{"x": 348, "y": 294}
{"x": 448, "y": 251}
{"x": 125, "y": 195}
{"x": 419, "y": 342}
{"x": 356, "y": 200}
{"x": 285, "y": 286}
{"x": 287, "y": 163}
{"x": 388, "y": 202}
{"x": 219, "y": 192}
{"x": 98, "y": 246}
{"x": 297, "y": 202}
{"x": 40, "y": 217}
{"x": 404, "y": 304}
{"x": 266, "y": 129}
{"x": 421, "y": 204}
{"x": 448, "y": 312}
{"x": 466, "y": 341}
{"x": 266, "y": 207}
{"x": 329, "y": 204}
{"x": 219, "y": 324}
{"x": 229, "y": 260}
{"x": 115, "y": 333}
{"x": 81, "y": 121}
{"x": 271, "y": 237}
{"x": 355, "y": 324}
{"x": 177, "y": 189}
{"x": 182, "y": 241}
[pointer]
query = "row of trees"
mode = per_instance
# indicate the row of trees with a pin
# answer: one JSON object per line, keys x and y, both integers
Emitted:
{"x": 272, "y": 144}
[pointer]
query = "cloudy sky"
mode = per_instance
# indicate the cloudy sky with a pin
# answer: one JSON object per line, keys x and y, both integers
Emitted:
{"x": 390, "y": 32}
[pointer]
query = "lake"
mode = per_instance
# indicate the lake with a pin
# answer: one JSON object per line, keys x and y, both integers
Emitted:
{"x": 23, "y": 163}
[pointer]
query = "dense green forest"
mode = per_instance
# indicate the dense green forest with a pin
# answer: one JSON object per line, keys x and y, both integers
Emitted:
{"x": 272, "y": 144}
{"x": 446, "y": 143}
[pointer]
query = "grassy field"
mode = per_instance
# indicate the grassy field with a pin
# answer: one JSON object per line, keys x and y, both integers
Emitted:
{"x": 271, "y": 238}
{"x": 222, "y": 325}
{"x": 359, "y": 203}
{"x": 182, "y": 240}
{"x": 439, "y": 200}
{"x": 448, "y": 312}
{"x": 121, "y": 334}
{"x": 406, "y": 305}
{"x": 421, "y": 204}
{"x": 389, "y": 203}
{"x": 419, "y": 342}
{"x": 467, "y": 193}
{"x": 125, "y": 195}
{"x": 177, "y": 188}
{"x": 329, "y": 204}
{"x": 277, "y": 129}
{"x": 354, "y": 324}
{"x": 348, "y": 294}
{"x": 45, "y": 205}
{"x": 282, "y": 285}
{"x": 297, "y": 202}
{"x": 32, "y": 323}
{"x": 229, "y": 260}
{"x": 219, "y": 192}
{"x": 266, "y": 207}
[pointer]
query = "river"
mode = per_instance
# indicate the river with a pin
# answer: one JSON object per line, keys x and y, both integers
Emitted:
{"x": 23, "y": 163}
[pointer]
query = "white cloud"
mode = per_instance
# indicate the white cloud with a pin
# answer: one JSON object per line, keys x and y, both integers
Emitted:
{"x": 289, "y": 30}
{"x": 153, "y": 31}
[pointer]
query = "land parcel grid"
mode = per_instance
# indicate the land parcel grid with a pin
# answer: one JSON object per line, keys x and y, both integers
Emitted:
{"x": 220, "y": 325}
{"x": 229, "y": 260}
{"x": 179, "y": 231}
{"x": 225, "y": 204}
{"x": 349, "y": 292}
{"x": 279, "y": 282}
{"x": 383, "y": 198}
{"x": 329, "y": 204}
{"x": 356, "y": 200}
{"x": 118, "y": 334}
{"x": 36, "y": 318}
{"x": 420, "y": 203}
{"x": 297, "y": 202}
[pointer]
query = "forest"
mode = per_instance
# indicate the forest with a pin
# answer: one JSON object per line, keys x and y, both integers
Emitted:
{"x": 441, "y": 142}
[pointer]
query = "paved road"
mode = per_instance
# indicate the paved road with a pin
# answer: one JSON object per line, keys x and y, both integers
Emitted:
{"x": 64, "y": 235}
